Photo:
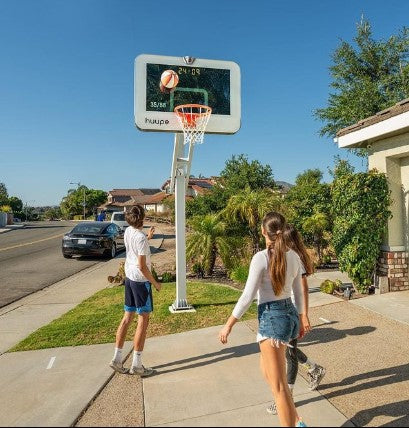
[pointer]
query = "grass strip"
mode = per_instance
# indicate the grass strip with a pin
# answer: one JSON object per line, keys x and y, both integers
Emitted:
{"x": 95, "y": 320}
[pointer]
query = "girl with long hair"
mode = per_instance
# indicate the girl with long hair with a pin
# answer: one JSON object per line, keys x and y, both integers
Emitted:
{"x": 273, "y": 274}
{"x": 293, "y": 354}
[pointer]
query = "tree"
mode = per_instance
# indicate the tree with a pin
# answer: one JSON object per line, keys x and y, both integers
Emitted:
{"x": 94, "y": 198}
{"x": 52, "y": 213}
{"x": 212, "y": 201}
{"x": 72, "y": 203}
{"x": 250, "y": 206}
{"x": 239, "y": 173}
{"x": 29, "y": 213}
{"x": 16, "y": 204}
{"x": 342, "y": 167}
{"x": 366, "y": 78}
{"x": 3, "y": 194}
{"x": 210, "y": 238}
{"x": 308, "y": 197}
{"x": 361, "y": 211}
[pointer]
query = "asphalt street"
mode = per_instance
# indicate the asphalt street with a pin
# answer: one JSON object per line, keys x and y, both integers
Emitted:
{"x": 31, "y": 259}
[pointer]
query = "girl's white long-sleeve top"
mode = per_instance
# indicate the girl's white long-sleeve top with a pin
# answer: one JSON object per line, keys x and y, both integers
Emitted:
{"x": 259, "y": 283}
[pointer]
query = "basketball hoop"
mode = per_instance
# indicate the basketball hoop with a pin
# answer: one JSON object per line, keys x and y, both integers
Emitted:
{"x": 193, "y": 119}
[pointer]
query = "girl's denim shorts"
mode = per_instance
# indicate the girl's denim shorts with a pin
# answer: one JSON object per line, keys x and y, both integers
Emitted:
{"x": 278, "y": 321}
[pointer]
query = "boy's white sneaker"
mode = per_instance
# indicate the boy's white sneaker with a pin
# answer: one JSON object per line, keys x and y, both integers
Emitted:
{"x": 141, "y": 371}
{"x": 118, "y": 367}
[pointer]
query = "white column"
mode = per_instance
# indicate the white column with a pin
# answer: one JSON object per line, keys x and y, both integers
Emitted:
{"x": 180, "y": 241}
{"x": 180, "y": 178}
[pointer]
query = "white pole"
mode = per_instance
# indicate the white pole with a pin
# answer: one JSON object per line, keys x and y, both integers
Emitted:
{"x": 180, "y": 223}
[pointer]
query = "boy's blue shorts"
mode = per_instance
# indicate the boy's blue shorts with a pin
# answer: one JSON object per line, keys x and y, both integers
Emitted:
{"x": 138, "y": 296}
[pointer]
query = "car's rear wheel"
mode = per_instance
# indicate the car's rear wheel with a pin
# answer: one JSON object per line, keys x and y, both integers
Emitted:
{"x": 111, "y": 253}
{"x": 67, "y": 256}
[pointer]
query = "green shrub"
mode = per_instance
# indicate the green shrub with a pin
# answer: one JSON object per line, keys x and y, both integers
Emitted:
{"x": 168, "y": 277}
{"x": 361, "y": 211}
{"x": 326, "y": 259}
{"x": 198, "y": 270}
{"x": 329, "y": 286}
{"x": 77, "y": 217}
{"x": 240, "y": 273}
{"x": 6, "y": 209}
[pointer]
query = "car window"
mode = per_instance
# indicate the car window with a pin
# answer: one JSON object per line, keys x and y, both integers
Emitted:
{"x": 89, "y": 228}
{"x": 118, "y": 217}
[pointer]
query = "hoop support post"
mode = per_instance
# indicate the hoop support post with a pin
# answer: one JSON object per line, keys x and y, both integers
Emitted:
{"x": 179, "y": 177}
{"x": 193, "y": 119}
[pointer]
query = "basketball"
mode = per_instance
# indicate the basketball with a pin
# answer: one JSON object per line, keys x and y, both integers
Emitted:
{"x": 164, "y": 90}
{"x": 169, "y": 79}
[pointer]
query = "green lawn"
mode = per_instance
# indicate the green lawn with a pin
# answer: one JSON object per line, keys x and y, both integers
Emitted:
{"x": 96, "y": 319}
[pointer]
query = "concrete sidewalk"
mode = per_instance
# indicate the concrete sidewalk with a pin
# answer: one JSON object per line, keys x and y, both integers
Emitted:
{"x": 11, "y": 227}
{"x": 206, "y": 384}
{"x": 394, "y": 305}
{"x": 199, "y": 381}
{"x": 51, "y": 387}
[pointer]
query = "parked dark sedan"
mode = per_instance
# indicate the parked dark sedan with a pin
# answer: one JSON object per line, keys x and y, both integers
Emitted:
{"x": 93, "y": 238}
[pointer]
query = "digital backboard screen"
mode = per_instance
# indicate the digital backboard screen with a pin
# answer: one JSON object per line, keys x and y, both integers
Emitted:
{"x": 197, "y": 85}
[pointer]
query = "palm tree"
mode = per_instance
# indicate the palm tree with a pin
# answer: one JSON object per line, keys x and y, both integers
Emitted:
{"x": 250, "y": 206}
{"x": 210, "y": 238}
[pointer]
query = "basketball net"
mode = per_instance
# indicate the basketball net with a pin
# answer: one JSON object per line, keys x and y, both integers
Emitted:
{"x": 193, "y": 119}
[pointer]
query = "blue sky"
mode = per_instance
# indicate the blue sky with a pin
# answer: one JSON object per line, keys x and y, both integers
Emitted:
{"x": 66, "y": 86}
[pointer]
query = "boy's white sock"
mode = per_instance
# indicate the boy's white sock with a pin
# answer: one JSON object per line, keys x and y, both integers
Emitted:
{"x": 118, "y": 355}
{"x": 137, "y": 359}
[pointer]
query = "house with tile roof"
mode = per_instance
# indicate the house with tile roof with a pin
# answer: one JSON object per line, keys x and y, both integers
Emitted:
{"x": 386, "y": 137}
{"x": 196, "y": 186}
{"x": 123, "y": 199}
{"x": 152, "y": 199}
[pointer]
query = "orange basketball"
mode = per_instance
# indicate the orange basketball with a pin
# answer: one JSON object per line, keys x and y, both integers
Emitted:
{"x": 169, "y": 79}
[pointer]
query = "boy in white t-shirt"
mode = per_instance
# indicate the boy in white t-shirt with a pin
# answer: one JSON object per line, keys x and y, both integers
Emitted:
{"x": 138, "y": 292}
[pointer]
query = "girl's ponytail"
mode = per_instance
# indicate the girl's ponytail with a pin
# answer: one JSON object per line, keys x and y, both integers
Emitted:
{"x": 295, "y": 242}
{"x": 274, "y": 225}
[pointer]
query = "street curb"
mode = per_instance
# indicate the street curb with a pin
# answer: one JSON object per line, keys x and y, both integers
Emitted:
{"x": 12, "y": 227}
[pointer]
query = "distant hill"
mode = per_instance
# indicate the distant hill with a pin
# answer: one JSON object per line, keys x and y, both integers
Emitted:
{"x": 284, "y": 186}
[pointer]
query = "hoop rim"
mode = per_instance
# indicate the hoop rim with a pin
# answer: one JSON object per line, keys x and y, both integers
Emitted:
{"x": 207, "y": 109}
